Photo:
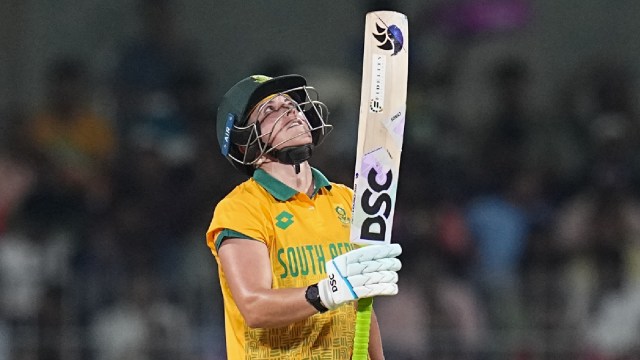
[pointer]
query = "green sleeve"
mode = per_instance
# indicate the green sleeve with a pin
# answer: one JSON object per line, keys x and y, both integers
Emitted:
{"x": 228, "y": 233}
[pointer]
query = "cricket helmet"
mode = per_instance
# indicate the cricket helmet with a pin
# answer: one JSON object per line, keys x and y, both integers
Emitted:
{"x": 243, "y": 144}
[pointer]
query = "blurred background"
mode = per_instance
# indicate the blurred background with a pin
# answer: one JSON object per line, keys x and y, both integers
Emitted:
{"x": 518, "y": 201}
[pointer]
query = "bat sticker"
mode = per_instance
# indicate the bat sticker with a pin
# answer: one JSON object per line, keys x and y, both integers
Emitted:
{"x": 389, "y": 38}
{"x": 379, "y": 72}
{"x": 376, "y": 187}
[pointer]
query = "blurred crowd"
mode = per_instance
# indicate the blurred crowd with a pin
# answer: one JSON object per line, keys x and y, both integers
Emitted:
{"x": 521, "y": 232}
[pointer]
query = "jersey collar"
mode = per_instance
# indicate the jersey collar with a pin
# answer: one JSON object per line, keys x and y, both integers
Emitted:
{"x": 283, "y": 192}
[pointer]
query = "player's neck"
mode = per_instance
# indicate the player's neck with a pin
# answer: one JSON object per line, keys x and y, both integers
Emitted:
{"x": 302, "y": 181}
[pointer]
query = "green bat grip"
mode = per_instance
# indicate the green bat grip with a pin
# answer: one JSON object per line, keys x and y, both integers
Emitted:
{"x": 363, "y": 324}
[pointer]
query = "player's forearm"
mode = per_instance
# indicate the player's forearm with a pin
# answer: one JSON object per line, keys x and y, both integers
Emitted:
{"x": 275, "y": 308}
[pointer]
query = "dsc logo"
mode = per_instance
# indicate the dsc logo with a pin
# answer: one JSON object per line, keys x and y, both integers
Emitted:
{"x": 333, "y": 283}
{"x": 374, "y": 227}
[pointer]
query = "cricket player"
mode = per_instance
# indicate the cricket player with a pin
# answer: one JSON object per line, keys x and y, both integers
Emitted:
{"x": 289, "y": 276}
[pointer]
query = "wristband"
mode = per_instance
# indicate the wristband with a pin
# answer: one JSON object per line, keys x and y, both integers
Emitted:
{"x": 312, "y": 295}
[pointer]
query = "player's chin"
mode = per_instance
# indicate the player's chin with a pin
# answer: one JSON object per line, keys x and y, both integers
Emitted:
{"x": 298, "y": 140}
{"x": 301, "y": 137}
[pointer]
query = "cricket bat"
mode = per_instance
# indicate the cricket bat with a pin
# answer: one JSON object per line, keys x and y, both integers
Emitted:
{"x": 380, "y": 134}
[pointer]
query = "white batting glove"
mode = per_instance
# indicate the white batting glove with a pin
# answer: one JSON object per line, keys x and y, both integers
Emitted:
{"x": 365, "y": 272}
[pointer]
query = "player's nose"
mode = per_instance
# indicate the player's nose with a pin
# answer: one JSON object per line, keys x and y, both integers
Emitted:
{"x": 287, "y": 109}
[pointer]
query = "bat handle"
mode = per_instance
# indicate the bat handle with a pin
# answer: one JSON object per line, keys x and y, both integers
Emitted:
{"x": 363, "y": 324}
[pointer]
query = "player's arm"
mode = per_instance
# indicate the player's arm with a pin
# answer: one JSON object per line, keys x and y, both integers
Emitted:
{"x": 247, "y": 268}
{"x": 365, "y": 272}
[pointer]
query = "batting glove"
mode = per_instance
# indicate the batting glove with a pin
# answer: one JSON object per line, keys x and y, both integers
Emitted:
{"x": 365, "y": 272}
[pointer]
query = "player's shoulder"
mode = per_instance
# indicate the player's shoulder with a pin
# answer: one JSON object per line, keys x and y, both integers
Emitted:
{"x": 248, "y": 191}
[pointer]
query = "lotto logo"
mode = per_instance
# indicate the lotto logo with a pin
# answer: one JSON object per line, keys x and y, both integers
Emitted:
{"x": 284, "y": 220}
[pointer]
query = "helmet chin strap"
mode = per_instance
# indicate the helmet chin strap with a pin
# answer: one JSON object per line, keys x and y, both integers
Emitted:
{"x": 294, "y": 155}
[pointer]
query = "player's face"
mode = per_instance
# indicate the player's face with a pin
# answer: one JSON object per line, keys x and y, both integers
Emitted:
{"x": 281, "y": 122}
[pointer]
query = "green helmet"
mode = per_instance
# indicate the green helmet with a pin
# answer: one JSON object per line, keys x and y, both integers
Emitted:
{"x": 233, "y": 115}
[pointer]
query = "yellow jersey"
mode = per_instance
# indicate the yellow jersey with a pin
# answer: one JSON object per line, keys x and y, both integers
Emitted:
{"x": 301, "y": 233}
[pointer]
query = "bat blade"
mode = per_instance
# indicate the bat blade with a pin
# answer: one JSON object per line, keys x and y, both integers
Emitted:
{"x": 380, "y": 127}
{"x": 380, "y": 134}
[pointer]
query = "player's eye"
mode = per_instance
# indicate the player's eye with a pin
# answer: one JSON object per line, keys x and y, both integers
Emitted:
{"x": 267, "y": 109}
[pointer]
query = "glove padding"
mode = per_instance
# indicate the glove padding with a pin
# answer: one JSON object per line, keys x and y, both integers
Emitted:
{"x": 365, "y": 272}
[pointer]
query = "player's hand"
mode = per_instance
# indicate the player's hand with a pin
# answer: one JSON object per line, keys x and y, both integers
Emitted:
{"x": 361, "y": 273}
